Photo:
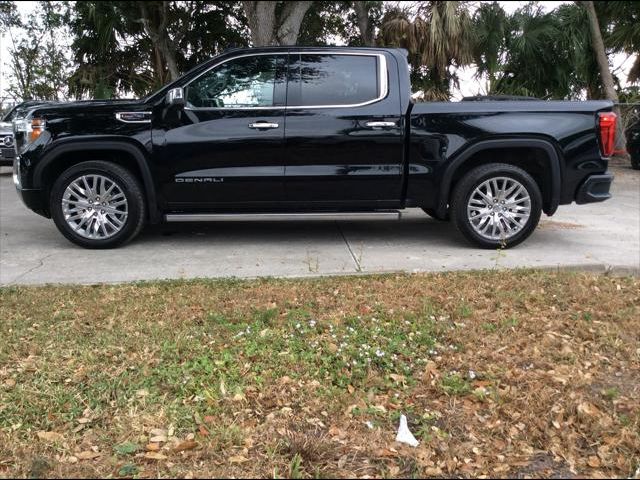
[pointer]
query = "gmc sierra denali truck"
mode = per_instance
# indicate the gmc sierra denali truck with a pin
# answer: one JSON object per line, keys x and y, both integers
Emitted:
{"x": 271, "y": 132}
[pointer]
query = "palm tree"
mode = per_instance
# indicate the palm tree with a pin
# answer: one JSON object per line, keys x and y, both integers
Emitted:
{"x": 437, "y": 36}
{"x": 623, "y": 32}
{"x": 490, "y": 29}
{"x": 533, "y": 60}
{"x": 605, "y": 72}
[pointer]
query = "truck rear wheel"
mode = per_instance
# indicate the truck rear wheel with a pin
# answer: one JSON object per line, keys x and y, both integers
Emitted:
{"x": 496, "y": 205}
{"x": 97, "y": 204}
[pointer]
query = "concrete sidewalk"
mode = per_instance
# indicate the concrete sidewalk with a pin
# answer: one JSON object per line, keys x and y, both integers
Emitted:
{"x": 597, "y": 236}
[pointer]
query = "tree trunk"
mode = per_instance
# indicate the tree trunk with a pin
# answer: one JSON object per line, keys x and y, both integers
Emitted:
{"x": 155, "y": 25}
{"x": 169, "y": 55}
{"x": 605, "y": 72}
{"x": 267, "y": 28}
{"x": 364, "y": 23}
{"x": 290, "y": 21}
{"x": 262, "y": 20}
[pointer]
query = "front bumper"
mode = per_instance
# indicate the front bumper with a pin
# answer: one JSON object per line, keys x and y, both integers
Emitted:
{"x": 6, "y": 156}
{"x": 33, "y": 198}
{"x": 594, "y": 189}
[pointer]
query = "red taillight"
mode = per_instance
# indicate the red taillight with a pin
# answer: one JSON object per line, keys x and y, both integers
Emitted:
{"x": 607, "y": 125}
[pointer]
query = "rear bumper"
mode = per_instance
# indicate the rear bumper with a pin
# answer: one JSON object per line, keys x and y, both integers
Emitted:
{"x": 594, "y": 189}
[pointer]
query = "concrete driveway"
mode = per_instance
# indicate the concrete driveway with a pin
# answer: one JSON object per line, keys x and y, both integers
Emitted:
{"x": 599, "y": 236}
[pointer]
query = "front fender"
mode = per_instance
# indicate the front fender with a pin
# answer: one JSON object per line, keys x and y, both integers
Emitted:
{"x": 136, "y": 152}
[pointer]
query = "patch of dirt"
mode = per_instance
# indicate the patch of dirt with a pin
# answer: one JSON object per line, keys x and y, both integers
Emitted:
{"x": 561, "y": 225}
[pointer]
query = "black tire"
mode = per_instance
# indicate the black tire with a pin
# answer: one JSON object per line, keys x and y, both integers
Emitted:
{"x": 125, "y": 181}
{"x": 465, "y": 188}
{"x": 433, "y": 214}
{"x": 635, "y": 161}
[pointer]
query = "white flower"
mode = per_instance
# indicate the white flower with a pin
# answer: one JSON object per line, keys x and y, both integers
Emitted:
{"x": 312, "y": 323}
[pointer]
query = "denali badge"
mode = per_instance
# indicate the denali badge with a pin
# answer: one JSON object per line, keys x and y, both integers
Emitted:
{"x": 198, "y": 180}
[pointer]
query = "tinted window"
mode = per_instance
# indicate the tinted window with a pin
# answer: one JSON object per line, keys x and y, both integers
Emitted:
{"x": 332, "y": 79}
{"x": 243, "y": 82}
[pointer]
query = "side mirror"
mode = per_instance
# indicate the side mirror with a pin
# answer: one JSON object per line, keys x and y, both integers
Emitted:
{"x": 175, "y": 97}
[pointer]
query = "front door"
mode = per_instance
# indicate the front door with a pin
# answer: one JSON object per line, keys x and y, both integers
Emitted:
{"x": 225, "y": 148}
{"x": 344, "y": 137}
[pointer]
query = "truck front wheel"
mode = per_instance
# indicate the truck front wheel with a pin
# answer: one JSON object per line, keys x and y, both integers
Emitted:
{"x": 496, "y": 205}
{"x": 97, "y": 204}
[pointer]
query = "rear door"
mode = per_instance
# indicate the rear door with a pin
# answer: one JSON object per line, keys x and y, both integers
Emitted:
{"x": 343, "y": 139}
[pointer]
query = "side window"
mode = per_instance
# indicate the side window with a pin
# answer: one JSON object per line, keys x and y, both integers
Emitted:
{"x": 326, "y": 79}
{"x": 256, "y": 81}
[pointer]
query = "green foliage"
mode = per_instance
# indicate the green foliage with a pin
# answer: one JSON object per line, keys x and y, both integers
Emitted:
{"x": 117, "y": 53}
{"x": 38, "y": 64}
{"x": 437, "y": 36}
{"x": 123, "y": 48}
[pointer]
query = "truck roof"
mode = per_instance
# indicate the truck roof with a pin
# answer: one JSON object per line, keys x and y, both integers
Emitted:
{"x": 286, "y": 48}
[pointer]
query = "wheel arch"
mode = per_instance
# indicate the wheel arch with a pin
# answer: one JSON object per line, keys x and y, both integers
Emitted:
{"x": 120, "y": 152}
{"x": 480, "y": 153}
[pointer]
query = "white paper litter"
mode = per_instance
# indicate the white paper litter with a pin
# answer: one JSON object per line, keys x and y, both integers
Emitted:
{"x": 404, "y": 434}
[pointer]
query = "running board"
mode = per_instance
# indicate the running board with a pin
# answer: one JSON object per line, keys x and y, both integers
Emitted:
{"x": 261, "y": 217}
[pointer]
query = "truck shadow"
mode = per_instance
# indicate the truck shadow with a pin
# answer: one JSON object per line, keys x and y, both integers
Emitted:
{"x": 413, "y": 230}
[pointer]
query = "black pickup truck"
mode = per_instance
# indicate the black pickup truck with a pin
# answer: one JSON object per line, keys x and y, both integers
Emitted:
{"x": 271, "y": 132}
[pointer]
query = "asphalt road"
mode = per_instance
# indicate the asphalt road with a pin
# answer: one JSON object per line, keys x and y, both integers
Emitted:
{"x": 598, "y": 236}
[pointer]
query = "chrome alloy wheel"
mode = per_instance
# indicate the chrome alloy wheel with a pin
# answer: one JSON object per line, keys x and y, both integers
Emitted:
{"x": 94, "y": 207}
{"x": 499, "y": 208}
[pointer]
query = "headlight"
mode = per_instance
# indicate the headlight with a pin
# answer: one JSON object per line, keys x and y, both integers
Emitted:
{"x": 30, "y": 129}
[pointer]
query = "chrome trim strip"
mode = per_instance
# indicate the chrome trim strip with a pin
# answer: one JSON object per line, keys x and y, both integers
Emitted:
{"x": 383, "y": 76}
{"x": 262, "y": 217}
{"x": 119, "y": 117}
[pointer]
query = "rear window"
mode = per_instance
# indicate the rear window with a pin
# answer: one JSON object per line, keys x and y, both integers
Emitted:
{"x": 326, "y": 79}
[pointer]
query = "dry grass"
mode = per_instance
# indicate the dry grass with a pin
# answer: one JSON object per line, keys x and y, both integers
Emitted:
{"x": 504, "y": 374}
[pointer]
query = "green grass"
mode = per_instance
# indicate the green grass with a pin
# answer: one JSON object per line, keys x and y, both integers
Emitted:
{"x": 242, "y": 366}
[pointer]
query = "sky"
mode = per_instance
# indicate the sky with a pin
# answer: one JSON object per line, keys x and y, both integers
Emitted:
{"x": 468, "y": 84}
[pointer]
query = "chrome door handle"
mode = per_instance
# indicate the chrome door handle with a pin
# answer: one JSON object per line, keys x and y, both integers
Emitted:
{"x": 265, "y": 125}
{"x": 377, "y": 125}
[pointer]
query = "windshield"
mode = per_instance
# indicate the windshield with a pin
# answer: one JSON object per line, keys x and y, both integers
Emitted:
{"x": 163, "y": 90}
{"x": 11, "y": 114}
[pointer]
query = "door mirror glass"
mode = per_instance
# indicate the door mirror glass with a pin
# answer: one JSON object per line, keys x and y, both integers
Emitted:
{"x": 175, "y": 97}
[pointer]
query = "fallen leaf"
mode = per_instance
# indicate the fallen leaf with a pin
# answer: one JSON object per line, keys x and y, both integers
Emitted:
{"x": 9, "y": 383}
{"x": 88, "y": 455}
{"x": 387, "y": 452}
{"x": 157, "y": 431}
{"x": 152, "y": 447}
{"x": 155, "y": 456}
{"x": 593, "y": 461}
{"x": 158, "y": 438}
{"x": 188, "y": 445}
{"x": 238, "y": 459}
{"x": 50, "y": 436}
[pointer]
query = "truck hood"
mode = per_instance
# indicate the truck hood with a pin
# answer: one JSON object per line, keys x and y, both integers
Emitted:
{"x": 82, "y": 106}
{"x": 6, "y": 127}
